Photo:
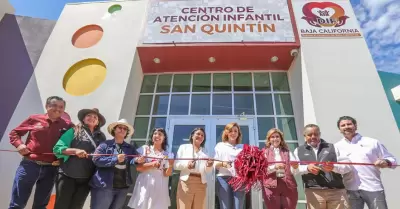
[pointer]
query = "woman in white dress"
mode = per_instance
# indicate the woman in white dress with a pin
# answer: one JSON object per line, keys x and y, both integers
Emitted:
{"x": 192, "y": 187}
{"x": 151, "y": 187}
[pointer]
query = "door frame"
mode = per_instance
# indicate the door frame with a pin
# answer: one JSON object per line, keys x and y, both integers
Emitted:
{"x": 210, "y": 123}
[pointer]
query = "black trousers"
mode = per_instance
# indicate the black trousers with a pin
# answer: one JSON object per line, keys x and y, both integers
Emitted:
{"x": 71, "y": 193}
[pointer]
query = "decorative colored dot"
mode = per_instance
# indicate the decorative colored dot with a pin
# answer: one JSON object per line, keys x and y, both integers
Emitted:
{"x": 87, "y": 36}
{"x": 84, "y": 77}
{"x": 114, "y": 8}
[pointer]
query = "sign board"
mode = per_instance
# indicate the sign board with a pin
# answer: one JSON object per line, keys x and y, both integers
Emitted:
{"x": 325, "y": 19}
{"x": 218, "y": 21}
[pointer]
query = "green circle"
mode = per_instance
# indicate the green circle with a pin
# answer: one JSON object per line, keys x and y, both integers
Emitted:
{"x": 114, "y": 8}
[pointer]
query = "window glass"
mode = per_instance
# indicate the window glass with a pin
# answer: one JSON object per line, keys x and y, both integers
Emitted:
{"x": 244, "y": 104}
{"x": 283, "y": 104}
{"x": 222, "y": 104}
{"x": 280, "y": 81}
{"x": 158, "y": 122}
{"x": 264, "y": 125}
{"x": 140, "y": 125}
{"x": 264, "y": 104}
{"x": 148, "y": 84}
{"x": 201, "y": 83}
{"x": 144, "y": 105}
{"x": 288, "y": 127}
{"x": 262, "y": 82}
{"x": 160, "y": 105}
{"x": 242, "y": 82}
{"x": 179, "y": 105}
{"x": 181, "y": 83}
{"x": 222, "y": 82}
{"x": 164, "y": 83}
{"x": 200, "y": 104}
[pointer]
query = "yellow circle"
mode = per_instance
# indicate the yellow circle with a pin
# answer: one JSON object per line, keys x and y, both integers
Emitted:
{"x": 84, "y": 77}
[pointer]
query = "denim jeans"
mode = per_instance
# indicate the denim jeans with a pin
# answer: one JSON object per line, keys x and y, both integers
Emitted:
{"x": 108, "y": 198}
{"x": 229, "y": 199}
{"x": 28, "y": 174}
{"x": 374, "y": 200}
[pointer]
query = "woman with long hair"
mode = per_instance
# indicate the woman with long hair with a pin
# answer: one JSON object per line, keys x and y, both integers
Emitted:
{"x": 76, "y": 168}
{"x": 192, "y": 186}
{"x": 227, "y": 151}
{"x": 151, "y": 187}
{"x": 280, "y": 187}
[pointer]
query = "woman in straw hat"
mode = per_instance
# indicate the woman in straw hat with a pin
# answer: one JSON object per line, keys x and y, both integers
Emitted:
{"x": 76, "y": 169}
{"x": 113, "y": 158}
{"x": 151, "y": 187}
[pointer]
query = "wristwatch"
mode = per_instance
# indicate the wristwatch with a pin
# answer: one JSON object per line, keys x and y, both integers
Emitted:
{"x": 388, "y": 162}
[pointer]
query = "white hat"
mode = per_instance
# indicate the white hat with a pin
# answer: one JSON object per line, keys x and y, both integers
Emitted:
{"x": 121, "y": 122}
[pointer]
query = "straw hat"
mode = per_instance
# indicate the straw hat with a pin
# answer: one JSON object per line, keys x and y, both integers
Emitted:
{"x": 82, "y": 113}
{"x": 123, "y": 122}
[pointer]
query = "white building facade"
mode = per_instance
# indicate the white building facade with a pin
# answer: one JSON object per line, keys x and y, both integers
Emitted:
{"x": 106, "y": 55}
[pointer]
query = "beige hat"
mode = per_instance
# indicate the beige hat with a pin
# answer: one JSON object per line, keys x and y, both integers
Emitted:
{"x": 121, "y": 122}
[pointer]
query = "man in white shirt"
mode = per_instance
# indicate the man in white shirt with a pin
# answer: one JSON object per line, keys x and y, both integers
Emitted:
{"x": 364, "y": 183}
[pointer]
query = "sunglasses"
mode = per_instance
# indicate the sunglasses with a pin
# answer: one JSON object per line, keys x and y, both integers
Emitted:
{"x": 122, "y": 128}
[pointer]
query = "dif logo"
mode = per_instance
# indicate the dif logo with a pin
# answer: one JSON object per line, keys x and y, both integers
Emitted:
{"x": 324, "y": 14}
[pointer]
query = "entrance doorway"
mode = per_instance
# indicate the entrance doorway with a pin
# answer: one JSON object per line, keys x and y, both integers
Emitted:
{"x": 179, "y": 129}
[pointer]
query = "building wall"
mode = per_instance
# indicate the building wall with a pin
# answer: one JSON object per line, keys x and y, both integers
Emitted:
{"x": 6, "y": 8}
{"x": 116, "y": 49}
{"x": 343, "y": 80}
{"x": 389, "y": 81}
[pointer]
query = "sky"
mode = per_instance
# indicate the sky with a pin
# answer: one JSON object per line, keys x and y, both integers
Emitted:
{"x": 379, "y": 21}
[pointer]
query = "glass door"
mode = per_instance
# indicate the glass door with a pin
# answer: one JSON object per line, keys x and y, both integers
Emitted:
{"x": 179, "y": 130}
{"x": 248, "y": 137}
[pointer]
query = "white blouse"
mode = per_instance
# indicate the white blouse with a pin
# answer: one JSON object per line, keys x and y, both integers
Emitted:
{"x": 186, "y": 151}
{"x": 227, "y": 152}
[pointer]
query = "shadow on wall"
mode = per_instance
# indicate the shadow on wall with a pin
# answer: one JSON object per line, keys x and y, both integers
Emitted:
{"x": 16, "y": 68}
{"x": 30, "y": 103}
{"x": 22, "y": 40}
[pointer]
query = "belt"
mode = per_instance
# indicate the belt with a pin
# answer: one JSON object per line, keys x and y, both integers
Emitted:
{"x": 55, "y": 163}
{"x": 195, "y": 175}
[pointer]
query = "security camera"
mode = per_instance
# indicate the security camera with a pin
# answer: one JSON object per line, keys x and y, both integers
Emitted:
{"x": 294, "y": 52}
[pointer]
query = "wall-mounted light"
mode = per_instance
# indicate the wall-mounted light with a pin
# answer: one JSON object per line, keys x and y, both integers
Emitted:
{"x": 156, "y": 60}
{"x": 211, "y": 59}
{"x": 274, "y": 59}
{"x": 294, "y": 52}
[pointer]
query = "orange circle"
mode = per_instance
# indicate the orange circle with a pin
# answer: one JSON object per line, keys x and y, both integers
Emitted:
{"x": 87, "y": 36}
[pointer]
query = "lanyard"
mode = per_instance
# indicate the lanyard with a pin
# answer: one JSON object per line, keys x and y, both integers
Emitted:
{"x": 119, "y": 149}
{"x": 90, "y": 138}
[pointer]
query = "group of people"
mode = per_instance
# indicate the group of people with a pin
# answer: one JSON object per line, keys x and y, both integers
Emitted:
{"x": 78, "y": 160}
{"x": 328, "y": 185}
